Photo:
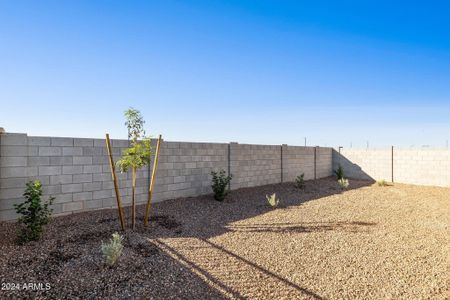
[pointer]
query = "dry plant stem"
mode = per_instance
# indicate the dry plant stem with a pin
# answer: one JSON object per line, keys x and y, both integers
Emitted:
{"x": 116, "y": 185}
{"x": 133, "y": 200}
{"x": 152, "y": 181}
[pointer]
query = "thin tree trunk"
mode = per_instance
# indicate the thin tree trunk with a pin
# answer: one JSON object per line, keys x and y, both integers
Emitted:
{"x": 133, "y": 202}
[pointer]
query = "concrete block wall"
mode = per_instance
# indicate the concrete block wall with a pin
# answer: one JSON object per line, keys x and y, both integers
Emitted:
{"x": 366, "y": 164}
{"x": 76, "y": 171}
{"x": 324, "y": 162}
{"x": 314, "y": 162}
{"x": 184, "y": 168}
{"x": 298, "y": 160}
{"x": 253, "y": 165}
{"x": 411, "y": 166}
{"x": 422, "y": 167}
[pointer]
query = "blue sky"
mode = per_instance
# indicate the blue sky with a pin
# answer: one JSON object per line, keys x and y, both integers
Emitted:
{"x": 336, "y": 72}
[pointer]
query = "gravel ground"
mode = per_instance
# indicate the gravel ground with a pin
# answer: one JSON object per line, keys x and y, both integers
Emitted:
{"x": 368, "y": 242}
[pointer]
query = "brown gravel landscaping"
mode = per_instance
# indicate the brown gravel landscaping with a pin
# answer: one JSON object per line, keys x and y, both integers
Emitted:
{"x": 368, "y": 242}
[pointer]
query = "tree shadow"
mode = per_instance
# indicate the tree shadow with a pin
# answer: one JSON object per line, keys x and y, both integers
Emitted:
{"x": 300, "y": 228}
{"x": 246, "y": 266}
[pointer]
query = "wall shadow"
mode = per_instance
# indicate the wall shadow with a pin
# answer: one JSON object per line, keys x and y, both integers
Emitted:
{"x": 203, "y": 217}
{"x": 351, "y": 170}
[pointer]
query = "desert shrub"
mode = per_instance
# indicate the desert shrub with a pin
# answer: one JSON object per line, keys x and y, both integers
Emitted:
{"x": 273, "y": 200}
{"x": 339, "y": 172}
{"x": 34, "y": 213}
{"x": 300, "y": 181}
{"x": 343, "y": 183}
{"x": 219, "y": 184}
{"x": 113, "y": 249}
{"x": 382, "y": 182}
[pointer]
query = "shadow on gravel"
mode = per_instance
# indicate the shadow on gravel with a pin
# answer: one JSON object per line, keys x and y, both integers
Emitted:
{"x": 203, "y": 217}
{"x": 299, "y": 228}
{"x": 70, "y": 251}
{"x": 228, "y": 275}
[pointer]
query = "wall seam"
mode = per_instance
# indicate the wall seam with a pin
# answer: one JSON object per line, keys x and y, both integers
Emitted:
{"x": 392, "y": 164}
{"x": 315, "y": 163}
{"x": 281, "y": 150}
{"x": 229, "y": 164}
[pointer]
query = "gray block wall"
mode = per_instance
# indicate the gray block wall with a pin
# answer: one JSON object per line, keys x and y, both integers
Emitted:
{"x": 253, "y": 165}
{"x": 184, "y": 168}
{"x": 76, "y": 171}
{"x": 324, "y": 162}
{"x": 298, "y": 160}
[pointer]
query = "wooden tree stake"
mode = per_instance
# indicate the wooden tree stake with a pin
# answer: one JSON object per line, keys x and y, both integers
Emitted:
{"x": 114, "y": 178}
{"x": 152, "y": 182}
{"x": 133, "y": 201}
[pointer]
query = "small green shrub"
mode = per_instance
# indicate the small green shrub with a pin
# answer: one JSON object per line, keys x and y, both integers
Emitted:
{"x": 219, "y": 184}
{"x": 339, "y": 172}
{"x": 113, "y": 249}
{"x": 382, "y": 182}
{"x": 273, "y": 200}
{"x": 35, "y": 214}
{"x": 300, "y": 181}
{"x": 343, "y": 183}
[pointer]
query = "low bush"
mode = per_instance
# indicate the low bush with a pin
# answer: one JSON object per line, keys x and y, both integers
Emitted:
{"x": 300, "y": 181}
{"x": 219, "y": 184}
{"x": 339, "y": 172}
{"x": 382, "y": 182}
{"x": 34, "y": 213}
{"x": 343, "y": 183}
{"x": 273, "y": 200}
{"x": 113, "y": 249}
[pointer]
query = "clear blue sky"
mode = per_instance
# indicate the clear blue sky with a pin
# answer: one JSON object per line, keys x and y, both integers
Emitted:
{"x": 248, "y": 71}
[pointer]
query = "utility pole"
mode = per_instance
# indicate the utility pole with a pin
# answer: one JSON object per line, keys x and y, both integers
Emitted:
{"x": 305, "y": 141}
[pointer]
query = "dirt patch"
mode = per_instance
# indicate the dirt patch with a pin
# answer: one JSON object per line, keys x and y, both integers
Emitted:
{"x": 167, "y": 222}
{"x": 88, "y": 237}
{"x": 55, "y": 261}
{"x": 141, "y": 246}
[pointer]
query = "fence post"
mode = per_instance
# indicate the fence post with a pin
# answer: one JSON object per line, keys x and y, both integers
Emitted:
{"x": 281, "y": 152}
{"x": 229, "y": 164}
{"x": 392, "y": 164}
{"x": 315, "y": 162}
